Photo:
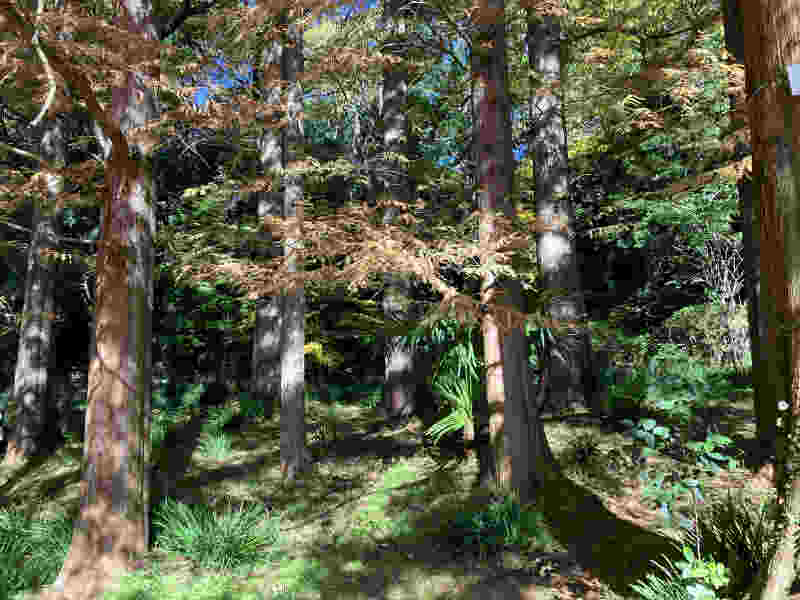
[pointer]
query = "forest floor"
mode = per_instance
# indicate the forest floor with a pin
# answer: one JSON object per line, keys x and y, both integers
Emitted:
{"x": 370, "y": 520}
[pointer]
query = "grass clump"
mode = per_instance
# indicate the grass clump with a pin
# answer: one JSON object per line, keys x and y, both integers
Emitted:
{"x": 233, "y": 539}
{"x": 31, "y": 550}
{"x": 501, "y": 524}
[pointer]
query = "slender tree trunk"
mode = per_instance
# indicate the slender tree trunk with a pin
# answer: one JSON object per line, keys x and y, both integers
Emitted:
{"x": 764, "y": 404}
{"x": 31, "y": 397}
{"x": 401, "y": 379}
{"x": 294, "y": 455}
{"x": 112, "y": 525}
{"x": 555, "y": 248}
{"x": 267, "y": 338}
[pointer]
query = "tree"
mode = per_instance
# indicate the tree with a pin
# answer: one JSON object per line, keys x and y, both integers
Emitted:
{"x": 31, "y": 392}
{"x": 770, "y": 37}
{"x": 268, "y": 333}
{"x": 293, "y": 434}
{"x": 764, "y": 371}
{"x": 514, "y": 426}
{"x": 569, "y": 359}
{"x": 398, "y": 306}
{"x": 112, "y": 525}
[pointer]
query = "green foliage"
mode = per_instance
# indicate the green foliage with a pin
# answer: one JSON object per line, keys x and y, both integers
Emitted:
{"x": 502, "y": 523}
{"x": 250, "y": 407}
{"x": 708, "y": 455}
{"x": 647, "y": 430}
{"x": 665, "y": 489}
{"x": 460, "y": 393}
{"x": 710, "y": 331}
{"x": 456, "y": 376}
{"x": 218, "y": 417}
{"x": 695, "y": 578}
{"x": 372, "y": 398}
{"x": 737, "y": 544}
{"x": 227, "y": 541}
{"x": 215, "y": 446}
{"x": 739, "y": 534}
{"x": 31, "y": 550}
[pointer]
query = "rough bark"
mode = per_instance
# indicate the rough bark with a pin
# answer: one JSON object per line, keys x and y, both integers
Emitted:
{"x": 34, "y": 419}
{"x": 771, "y": 34}
{"x": 294, "y": 455}
{"x": 764, "y": 406}
{"x": 267, "y": 338}
{"x": 555, "y": 247}
{"x": 520, "y": 457}
{"x": 112, "y": 525}
{"x": 400, "y": 378}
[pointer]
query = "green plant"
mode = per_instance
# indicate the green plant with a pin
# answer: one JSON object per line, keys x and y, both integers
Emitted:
{"x": 250, "y": 407}
{"x": 460, "y": 393}
{"x": 226, "y": 541}
{"x": 741, "y": 534}
{"x": 371, "y": 399}
{"x": 648, "y": 430}
{"x": 218, "y": 417}
{"x": 694, "y": 578}
{"x": 707, "y": 452}
{"x": 628, "y": 396}
{"x": 502, "y": 523}
{"x": 664, "y": 489}
{"x": 31, "y": 550}
{"x": 216, "y": 446}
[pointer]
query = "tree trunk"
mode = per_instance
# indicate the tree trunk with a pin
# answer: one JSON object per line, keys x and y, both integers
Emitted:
{"x": 570, "y": 360}
{"x": 111, "y": 529}
{"x": 771, "y": 35}
{"x": 401, "y": 378}
{"x": 294, "y": 455}
{"x": 34, "y": 414}
{"x": 764, "y": 405}
{"x": 520, "y": 459}
{"x": 267, "y": 338}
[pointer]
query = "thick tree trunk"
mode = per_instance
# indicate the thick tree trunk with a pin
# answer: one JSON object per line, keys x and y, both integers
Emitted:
{"x": 570, "y": 361}
{"x": 520, "y": 457}
{"x": 294, "y": 455}
{"x": 771, "y": 37}
{"x": 112, "y": 525}
{"x": 34, "y": 419}
{"x": 401, "y": 378}
{"x": 267, "y": 338}
{"x": 764, "y": 405}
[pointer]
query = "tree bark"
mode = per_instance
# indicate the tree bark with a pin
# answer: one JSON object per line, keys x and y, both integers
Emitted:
{"x": 555, "y": 248}
{"x": 520, "y": 459}
{"x": 34, "y": 419}
{"x": 267, "y": 338}
{"x": 294, "y": 455}
{"x": 764, "y": 405}
{"x": 112, "y": 524}
{"x": 771, "y": 35}
{"x": 401, "y": 380}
